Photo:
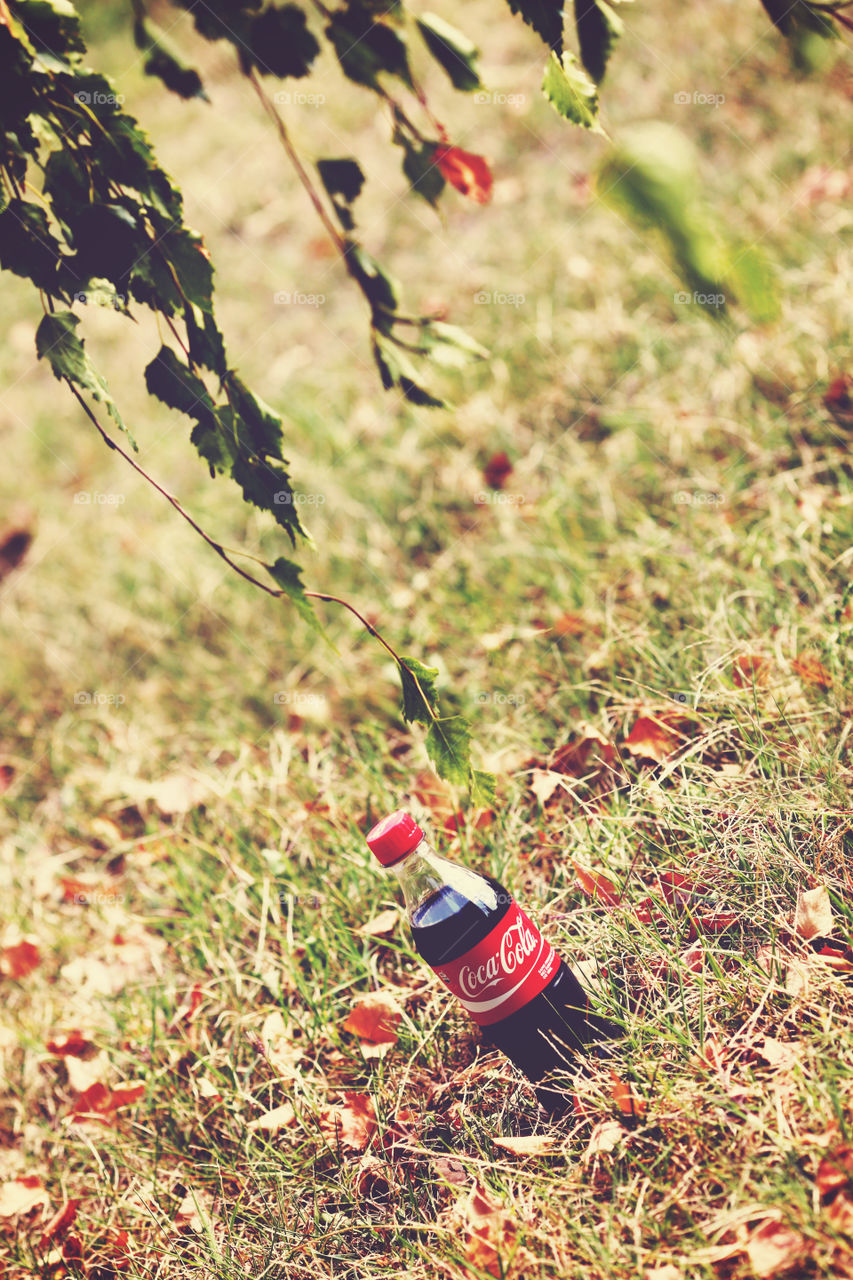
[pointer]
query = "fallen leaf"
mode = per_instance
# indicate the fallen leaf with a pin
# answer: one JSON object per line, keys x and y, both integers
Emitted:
{"x": 385, "y": 922}
{"x": 665, "y": 1272}
{"x": 835, "y": 1170}
{"x": 58, "y": 1225}
{"x": 451, "y": 1170}
{"x": 71, "y": 1044}
{"x": 797, "y": 977}
{"x": 189, "y": 1007}
{"x": 497, "y": 470}
{"x": 194, "y": 1212}
{"x": 373, "y": 1175}
{"x": 813, "y": 915}
{"x": 18, "y": 959}
{"x": 275, "y": 1120}
{"x": 626, "y": 1097}
{"x": 811, "y": 670}
{"x": 351, "y": 1124}
{"x": 543, "y": 784}
{"x": 773, "y": 1247}
{"x": 207, "y": 1089}
{"x": 84, "y": 1072}
{"x": 838, "y": 400}
{"x": 279, "y": 1046}
{"x": 712, "y": 1055}
{"x": 375, "y": 1018}
{"x": 534, "y": 1145}
{"x": 749, "y": 669}
{"x": 21, "y": 1196}
{"x": 7, "y": 777}
{"x": 693, "y": 959}
{"x": 652, "y": 738}
{"x": 779, "y": 1053}
{"x": 570, "y": 624}
{"x": 177, "y": 794}
{"x": 606, "y": 1135}
{"x": 465, "y": 171}
{"x": 488, "y": 1231}
{"x": 597, "y": 886}
{"x": 838, "y": 957}
{"x": 586, "y": 753}
{"x": 101, "y": 1103}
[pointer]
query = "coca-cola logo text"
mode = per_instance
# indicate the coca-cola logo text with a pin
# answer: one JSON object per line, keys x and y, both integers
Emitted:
{"x": 519, "y": 942}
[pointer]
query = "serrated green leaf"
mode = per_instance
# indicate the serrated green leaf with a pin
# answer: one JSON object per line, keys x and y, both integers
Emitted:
{"x": 57, "y": 343}
{"x": 420, "y": 168}
{"x": 397, "y": 370}
{"x": 545, "y": 17}
{"x": 448, "y": 744}
{"x": 173, "y": 383}
{"x": 483, "y": 788}
{"x": 260, "y": 427}
{"x": 266, "y": 484}
{"x": 571, "y": 92}
{"x": 419, "y": 695}
{"x": 28, "y": 246}
{"x": 452, "y": 50}
{"x": 289, "y": 577}
{"x": 52, "y": 25}
{"x": 380, "y": 289}
{"x": 598, "y": 28}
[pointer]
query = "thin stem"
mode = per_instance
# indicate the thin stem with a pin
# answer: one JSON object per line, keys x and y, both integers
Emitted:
{"x": 293, "y": 156}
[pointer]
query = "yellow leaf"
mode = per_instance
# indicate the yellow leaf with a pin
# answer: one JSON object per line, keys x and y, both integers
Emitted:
{"x": 534, "y": 1145}
{"x": 273, "y": 1121}
{"x": 813, "y": 916}
{"x": 385, "y": 922}
{"x": 22, "y": 1195}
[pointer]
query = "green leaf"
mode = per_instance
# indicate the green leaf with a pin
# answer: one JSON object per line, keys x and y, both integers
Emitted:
{"x": 449, "y": 345}
{"x": 165, "y": 62}
{"x": 289, "y": 577}
{"x": 598, "y": 28}
{"x": 420, "y": 168}
{"x": 173, "y": 383}
{"x": 28, "y": 246}
{"x": 260, "y": 427}
{"x": 173, "y": 270}
{"x": 343, "y": 180}
{"x": 448, "y": 744}
{"x": 367, "y": 47}
{"x": 266, "y": 484}
{"x": 57, "y": 343}
{"x": 545, "y": 17}
{"x": 754, "y": 283}
{"x": 483, "y": 788}
{"x": 52, "y": 25}
{"x": 397, "y": 370}
{"x": 419, "y": 693}
{"x": 571, "y": 92}
{"x": 380, "y": 289}
{"x": 452, "y": 49}
{"x": 279, "y": 43}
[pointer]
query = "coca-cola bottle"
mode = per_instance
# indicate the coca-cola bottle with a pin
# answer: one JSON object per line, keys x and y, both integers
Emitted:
{"x": 484, "y": 948}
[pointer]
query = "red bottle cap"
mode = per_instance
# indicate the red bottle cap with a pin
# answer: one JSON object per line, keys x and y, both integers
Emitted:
{"x": 394, "y": 837}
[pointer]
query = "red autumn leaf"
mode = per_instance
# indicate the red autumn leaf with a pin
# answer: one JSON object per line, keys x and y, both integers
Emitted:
{"x": 22, "y": 1195}
{"x": 70, "y": 1044}
{"x": 465, "y": 171}
{"x": 187, "y": 1011}
{"x": 811, "y": 670}
{"x": 100, "y": 1103}
{"x": 352, "y": 1124}
{"x": 835, "y": 1170}
{"x": 19, "y": 959}
{"x": 374, "y": 1018}
{"x": 597, "y": 886}
{"x": 570, "y": 624}
{"x": 56, "y": 1228}
{"x": 72, "y": 1250}
{"x": 676, "y": 887}
{"x": 837, "y": 956}
{"x": 78, "y": 891}
{"x": 749, "y": 669}
{"x": 399, "y": 1134}
{"x": 497, "y": 470}
{"x": 653, "y": 738}
{"x": 626, "y": 1097}
{"x": 839, "y": 401}
{"x": 7, "y": 777}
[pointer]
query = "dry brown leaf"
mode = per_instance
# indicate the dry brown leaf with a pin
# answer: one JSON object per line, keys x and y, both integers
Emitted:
{"x": 275, "y": 1120}
{"x": 100, "y": 1103}
{"x": 22, "y": 1195}
{"x": 373, "y": 1175}
{"x": 749, "y": 669}
{"x": 813, "y": 915}
{"x": 281, "y": 1051}
{"x": 606, "y": 1135}
{"x": 652, "y": 738}
{"x": 773, "y": 1247}
{"x": 18, "y": 959}
{"x": 533, "y": 1145}
{"x": 693, "y": 959}
{"x": 664, "y": 1272}
{"x": 595, "y": 885}
{"x": 497, "y": 470}
{"x": 779, "y": 1053}
{"x": 811, "y": 670}
{"x": 194, "y": 1212}
{"x": 84, "y": 1072}
{"x": 835, "y": 1170}
{"x": 385, "y": 922}
{"x": 207, "y": 1089}
{"x": 178, "y": 793}
{"x": 488, "y": 1231}
{"x": 588, "y": 752}
{"x": 374, "y": 1018}
{"x": 838, "y": 957}
{"x": 71, "y": 1044}
{"x": 797, "y": 977}
{"x": 626, "y": 1097}
{"x": 352, "y": 1124}
{"x": 58, "y": 1225}
{"x": 570, "y": 624}
{"x": 451, "y": 1170}
{"x": 543, "y": 784}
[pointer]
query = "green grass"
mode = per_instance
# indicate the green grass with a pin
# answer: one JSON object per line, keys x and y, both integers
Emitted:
{"x": 615, "y": 405}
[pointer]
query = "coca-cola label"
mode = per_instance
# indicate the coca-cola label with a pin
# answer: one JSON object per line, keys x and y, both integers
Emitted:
{"x": 502, "y": 973}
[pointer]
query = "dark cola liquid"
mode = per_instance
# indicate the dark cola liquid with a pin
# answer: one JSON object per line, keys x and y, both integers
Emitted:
{"x": 549, "y": 1031}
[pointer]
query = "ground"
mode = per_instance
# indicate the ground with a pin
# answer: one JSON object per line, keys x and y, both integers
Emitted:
{"x": 648, "y": 624}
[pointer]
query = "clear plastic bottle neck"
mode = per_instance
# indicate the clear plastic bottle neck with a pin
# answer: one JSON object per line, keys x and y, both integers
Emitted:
{"x": 423, "y": 873}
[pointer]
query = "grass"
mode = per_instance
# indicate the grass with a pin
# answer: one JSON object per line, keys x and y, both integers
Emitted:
{"x": 678, "y": 489}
